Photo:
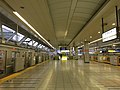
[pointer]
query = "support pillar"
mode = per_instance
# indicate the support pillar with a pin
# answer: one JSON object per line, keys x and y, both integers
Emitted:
{"x": 72, "y": 53}
{"x": 86, "y": 52}
{"x": 71, "y": 50}
{"x": 117, "y": 20}
{"x": 16, "y": 33}
{"x": 32, "y": 43}
{"x": 102, "y": 25}
{"x": 76, "y": 53}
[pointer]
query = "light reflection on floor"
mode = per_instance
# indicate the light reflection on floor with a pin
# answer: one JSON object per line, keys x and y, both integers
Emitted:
{"x": 69, "y": 75}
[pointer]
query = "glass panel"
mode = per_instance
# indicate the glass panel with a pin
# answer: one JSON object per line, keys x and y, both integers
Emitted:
{"x": 7, "y": 32}
{"x": 18, "y": 37}
{"x": 30, "y": 43}
{"x": 26, "y": 41}
{"x": 35, "y": 44}
{"x": 41, "y": 46}
{"x": 46, "y": 48}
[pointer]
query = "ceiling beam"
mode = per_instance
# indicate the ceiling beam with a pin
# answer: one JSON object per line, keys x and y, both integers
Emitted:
{"x": 70, "y": 15}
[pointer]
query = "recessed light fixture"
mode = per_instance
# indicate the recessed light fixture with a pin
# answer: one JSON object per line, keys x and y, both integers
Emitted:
{"x": 95, "y": 40}
{"x": 85, "y": 40}
{"x": 99, "y": 32}
{"x": 82, "y": 46}
{"x": 90, "y": 36}
{"x": 113, "y": 24}
{"x": 81, "y": 42}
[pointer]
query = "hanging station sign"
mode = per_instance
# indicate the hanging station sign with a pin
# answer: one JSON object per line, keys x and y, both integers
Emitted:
{"x": 109, "y": 35}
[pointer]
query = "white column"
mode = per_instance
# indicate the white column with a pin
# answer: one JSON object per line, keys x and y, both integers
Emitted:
{"x": 86, "y": 52}
{"x": 76, "y": 53}
{"x": 71, "y": 54}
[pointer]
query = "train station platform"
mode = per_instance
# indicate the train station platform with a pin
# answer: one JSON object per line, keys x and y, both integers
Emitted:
{"x": 69, "y": 75}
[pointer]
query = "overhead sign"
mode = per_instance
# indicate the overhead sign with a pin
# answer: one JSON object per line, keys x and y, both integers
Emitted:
{"x": 65, "y": 51}
{"x": 109, "y": 35}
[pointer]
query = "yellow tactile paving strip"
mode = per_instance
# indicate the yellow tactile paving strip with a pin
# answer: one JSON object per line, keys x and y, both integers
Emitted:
{"x": 18, "y": 73}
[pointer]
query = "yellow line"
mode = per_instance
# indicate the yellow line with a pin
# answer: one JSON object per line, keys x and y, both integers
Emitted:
{"x": 18, "y": 73}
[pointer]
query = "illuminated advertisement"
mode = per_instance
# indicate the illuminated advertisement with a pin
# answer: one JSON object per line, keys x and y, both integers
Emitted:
{"x": 109, "y": 35}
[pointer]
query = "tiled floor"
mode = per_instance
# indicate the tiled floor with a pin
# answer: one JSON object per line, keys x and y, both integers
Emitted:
{"x": 70, "y": 75}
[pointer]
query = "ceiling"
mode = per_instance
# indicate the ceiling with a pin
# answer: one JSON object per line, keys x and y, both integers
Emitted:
{"x": 64, "y": 22}
{"x": 108, "y": 13}
{"x": 69, "y": 16}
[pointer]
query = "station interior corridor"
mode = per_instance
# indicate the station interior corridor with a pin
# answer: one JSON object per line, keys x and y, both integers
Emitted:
{"x": 68, "y": 75}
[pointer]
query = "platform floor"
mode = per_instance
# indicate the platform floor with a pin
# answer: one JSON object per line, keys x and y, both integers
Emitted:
{"x": 70, "y": 75}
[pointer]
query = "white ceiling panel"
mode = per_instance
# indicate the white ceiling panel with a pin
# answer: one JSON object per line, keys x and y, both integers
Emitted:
{"x": 82, "y": 15}
{"x": 94, "y": 1}
{"x": 58, "y": 1}
{"x": 57, "y": 20}
{"x": 86, "y": 4}
{"x": 62, "y": 10}
{"x": 60, "y": 5}
{"x": 85, "y": 10}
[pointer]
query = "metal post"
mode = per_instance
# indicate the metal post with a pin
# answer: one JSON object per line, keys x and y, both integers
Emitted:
{"x": 102, "y": 25}
{"x": 11, "y": 37}
{"x": 17, "y": 33}
{"x": 117, "y": 21}
{"x": 32, "y": 43}
{"x": 22, "y": 40}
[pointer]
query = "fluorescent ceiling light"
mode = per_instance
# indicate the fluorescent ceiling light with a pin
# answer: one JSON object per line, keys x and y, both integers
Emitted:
{"x": 66, "y": 33}
{"x": 95, "y": 40}
{"x": 21, "y": 18}
{"x": 82, "y": 46}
